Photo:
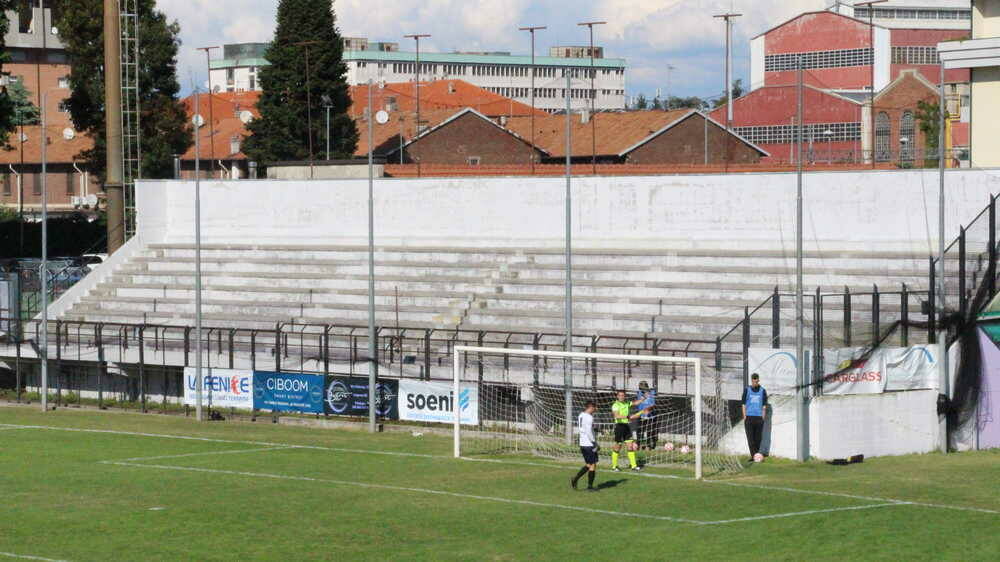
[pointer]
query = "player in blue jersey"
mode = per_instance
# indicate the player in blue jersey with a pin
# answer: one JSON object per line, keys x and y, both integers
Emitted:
{"x": 647, "y": 431}
{"x": 754, "y": 413}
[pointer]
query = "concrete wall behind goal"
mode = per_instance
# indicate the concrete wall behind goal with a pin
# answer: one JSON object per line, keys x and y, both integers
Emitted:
{"x": 892, "y": 423}
{"x": 874, "y": 210}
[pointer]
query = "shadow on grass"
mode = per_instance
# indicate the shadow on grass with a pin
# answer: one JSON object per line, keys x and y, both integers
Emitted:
{"x": 610, "y": 484}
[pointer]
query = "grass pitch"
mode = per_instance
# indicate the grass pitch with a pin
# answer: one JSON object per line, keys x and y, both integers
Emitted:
{"x": 84, "y": 485}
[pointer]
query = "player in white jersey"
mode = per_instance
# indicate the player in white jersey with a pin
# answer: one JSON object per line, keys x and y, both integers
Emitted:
{"x": 588, "y": 447}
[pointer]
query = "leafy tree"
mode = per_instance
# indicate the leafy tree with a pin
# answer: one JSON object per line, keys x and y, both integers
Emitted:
{"x": 25, "y": 112}
{"x": 657, "y": 104}
{"x": 928, "y": 116}
{"x": 640, "y": 102}
{"x": 693, "y": 102}
{"x": 163, "y": 121}
{"x": 737, "y": 88}
{"x": 282, "y": 132}
{"x": 8, "y": 116}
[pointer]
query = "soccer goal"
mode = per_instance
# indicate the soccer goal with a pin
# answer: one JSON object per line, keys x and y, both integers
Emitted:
{"x": 518, "y": 401}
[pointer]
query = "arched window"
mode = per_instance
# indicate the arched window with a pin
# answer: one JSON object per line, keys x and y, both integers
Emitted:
{"x": 907, "y": 138}
{"x": 883, "y": 152}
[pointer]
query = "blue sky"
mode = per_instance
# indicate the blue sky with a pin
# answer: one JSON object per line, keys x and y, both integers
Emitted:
{"x": 649, "y": 34}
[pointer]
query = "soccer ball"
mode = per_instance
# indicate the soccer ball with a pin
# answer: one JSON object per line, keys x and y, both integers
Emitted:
{"x": 685, "y": 449}
{"x": 668, "y": 446}
{"x": 758, "y": 458}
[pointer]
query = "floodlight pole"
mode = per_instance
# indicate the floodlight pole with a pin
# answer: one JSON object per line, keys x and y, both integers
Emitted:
{"x": 801, "y": 407}
{"x": 943, "y": 379}
{"x": 416, "y": 84}
{"x": 532, "y": 30}
{"x": 372, "y": 348}
{"x": 593, "y": 97}
{"x": 211, "y": 106}
{"x": 44, "y": 347}
{"x": 729, "y": 80}
{"x": 871, "y": 93}
{"x": 198, "y": 384}
{"x": 568, "y": 305}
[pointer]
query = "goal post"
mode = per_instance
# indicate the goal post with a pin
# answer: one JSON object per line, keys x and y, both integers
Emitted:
{"x": 526, "y": 400}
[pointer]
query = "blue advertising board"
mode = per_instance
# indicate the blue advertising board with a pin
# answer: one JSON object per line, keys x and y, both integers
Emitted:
{"x": 287, "y": 392}
{"x": 348, "y": 396}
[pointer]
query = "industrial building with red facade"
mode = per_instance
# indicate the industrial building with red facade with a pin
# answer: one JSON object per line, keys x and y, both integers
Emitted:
{"x": 841, "y": 58}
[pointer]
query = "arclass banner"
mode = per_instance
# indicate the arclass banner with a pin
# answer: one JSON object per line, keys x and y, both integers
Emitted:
{"x": 348, "y": 396}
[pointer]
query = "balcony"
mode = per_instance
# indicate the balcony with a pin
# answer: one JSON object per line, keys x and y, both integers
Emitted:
{"x": 972, "y": 53}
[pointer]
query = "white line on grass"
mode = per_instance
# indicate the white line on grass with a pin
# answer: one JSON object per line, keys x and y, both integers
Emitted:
{"x": 851, "y": 496}
{"x": 28, "y": 557}
{"x": 447, "y": 457}
{"x": 183, "y": 455}
{"x": 230, "y": 441}
{"x": 799, "y": 513}
{"x": 414, "y": 490}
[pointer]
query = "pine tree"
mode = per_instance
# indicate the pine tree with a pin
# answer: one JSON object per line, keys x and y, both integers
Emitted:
{"x": 25, "y": 111}
{"x": 282, "y": 131}
{"x": 8, "y": 112}
{"x": 163, "y": 121}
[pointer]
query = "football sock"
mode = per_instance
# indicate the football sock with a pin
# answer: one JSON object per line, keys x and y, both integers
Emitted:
{"x": 614, "y": 459}
{"x": 590, "y": 478}
{"x": 631, "y": 459}
{"x": 580, "y": 473}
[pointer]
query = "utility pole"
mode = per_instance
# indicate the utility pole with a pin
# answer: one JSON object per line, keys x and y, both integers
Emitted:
{"x": 871, "y": 92}
{"x": 943, "y": 378}
{"x": 568, "y": 373}
{"x": 198, "y": 377}
{"x": 802, "y": 394}
{"x": 593, "y": 96}
{"x": 113, "y": 126}
{"x": 211, "y": 113}
{"x": 309, "y": 105}
{"x": 532, "y": 30}
{"x": 667, "y": 103}
{"x": 372, "y": 347}
{"x": 416, "y": 84}
{"x": 729, "y": 78}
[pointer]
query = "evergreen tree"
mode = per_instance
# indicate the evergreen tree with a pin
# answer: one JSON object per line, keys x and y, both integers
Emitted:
{"x": 282, "y": 131}
{"x": 25, "y": 111}
{"x": 8, "y": 113}
{"x": 163, "y": 121}
{"x": 640, "y": 102}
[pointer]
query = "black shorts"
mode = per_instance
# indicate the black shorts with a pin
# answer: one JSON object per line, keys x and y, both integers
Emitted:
{"x": 623, "y": 432}
{"x": 589, "y": 455}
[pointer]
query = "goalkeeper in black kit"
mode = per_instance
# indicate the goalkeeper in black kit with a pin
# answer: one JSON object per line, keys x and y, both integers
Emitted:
{"x": 588, "y": 447}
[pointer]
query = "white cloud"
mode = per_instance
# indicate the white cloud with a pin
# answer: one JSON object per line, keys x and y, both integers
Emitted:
{"x": 649, "y": 34}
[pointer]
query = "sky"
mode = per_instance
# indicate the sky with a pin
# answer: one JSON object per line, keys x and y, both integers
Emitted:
{"x": 649, "y": 34}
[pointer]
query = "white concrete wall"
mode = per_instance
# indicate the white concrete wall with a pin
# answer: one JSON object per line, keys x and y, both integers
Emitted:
{"x": 756, "y": 62}
{"x": 893, "y": 423}
{"x": 843, "y": 210}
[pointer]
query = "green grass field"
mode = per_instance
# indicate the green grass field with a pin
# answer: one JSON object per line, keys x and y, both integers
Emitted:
{"x": 85, "y": 485}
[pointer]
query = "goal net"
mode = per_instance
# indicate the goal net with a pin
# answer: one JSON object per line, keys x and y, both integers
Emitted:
{"x": 514, "y": 401}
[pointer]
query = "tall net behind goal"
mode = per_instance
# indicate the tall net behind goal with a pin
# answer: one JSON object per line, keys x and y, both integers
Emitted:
{"x": 517, "y": 402}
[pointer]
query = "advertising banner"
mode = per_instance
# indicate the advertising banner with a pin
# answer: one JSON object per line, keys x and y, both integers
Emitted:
{"x": 845, "y": 372}
{"x": 287, "y": 392}
{"x": 434, "y": 402}
{"x": 221, "y": 388}
{"x": 348, "y": 396}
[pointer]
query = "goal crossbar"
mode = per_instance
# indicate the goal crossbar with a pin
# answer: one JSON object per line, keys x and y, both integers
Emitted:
{"x": 694, "y": 361}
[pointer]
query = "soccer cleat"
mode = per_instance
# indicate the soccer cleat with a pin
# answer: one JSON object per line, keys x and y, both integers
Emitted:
{"x": 616, "y": 469}
{"x": 636, "y": 469}
{"x": 572, "y": 482}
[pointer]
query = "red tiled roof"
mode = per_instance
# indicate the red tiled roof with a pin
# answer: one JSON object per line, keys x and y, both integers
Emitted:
{"x": 616, "y": 132}
{"x": 224, "y": 109}
{"x": 439, "y": 94}
{"x": 59, "y": 150}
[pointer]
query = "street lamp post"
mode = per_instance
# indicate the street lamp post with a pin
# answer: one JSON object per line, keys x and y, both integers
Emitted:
{"x": 871, "y": 91}
{"x": 416, "y": 84}
{"x": 211, "y": 113}
{"x": 829, "y": 145}
{"x": 667, "y": 103}
{"x": 532, "y": 30}
{"x": 327, "y": 104}
{"x": 309, "y": 117}
{"x": 593, "y": 96}
{"x": 44, "y": 347}
{"x": 729, "y": 79}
